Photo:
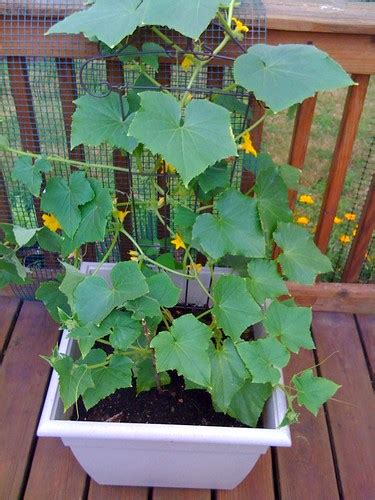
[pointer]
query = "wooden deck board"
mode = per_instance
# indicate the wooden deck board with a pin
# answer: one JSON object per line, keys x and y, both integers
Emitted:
{"x": 307, "y": 470}
{"x": 352, "y": 419}
{"x": 9, "y": 307}
{"x": 23, "y": 379}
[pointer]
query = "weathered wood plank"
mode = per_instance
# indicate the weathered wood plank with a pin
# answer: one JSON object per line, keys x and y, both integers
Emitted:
{"x": 23, "y": 378}
{"x": 351, "y": 418}
{"x": 257, "y": 486}
{"x": 362, "y": 240}
{"x": 341, "y": 158}
{"x": 306, "y": 470}
{"x": 350, "y": 297}
{"x": 366, "y": 323}
{"x": 55, "y": 473}
{"x": 180, "y": 494}
{"x": 9, "y": 307}
{"x": 99, "y": 492}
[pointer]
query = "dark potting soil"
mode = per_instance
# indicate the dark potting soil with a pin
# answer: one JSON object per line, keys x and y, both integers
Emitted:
{"x": 172, "y": 406}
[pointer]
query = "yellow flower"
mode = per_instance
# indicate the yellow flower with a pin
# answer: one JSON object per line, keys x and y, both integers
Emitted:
{"x": 134, "y": 255}
{"x": 354, "y": 232}
{"x": 247, "y": 145}
{"x": 303, "y": 220}
{"x": 178, "y": 242}
{"x": 167, "y": 168}
{"x": 240, "y": 25}
{"x": 337, "y": 220}
{"x": 195, "y": 267}
{"x": 161, "y": 202}
{"x": 120, "y": 214}
{"x": 306, "y": 198}
{"x": 345, "y": 239}
{"x": 350, "y": 216}
{"x": 187, "y": 61}
{"x": 50, "y": 221}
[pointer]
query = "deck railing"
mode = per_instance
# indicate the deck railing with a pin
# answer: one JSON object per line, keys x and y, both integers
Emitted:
{"x": 347, "y": 33}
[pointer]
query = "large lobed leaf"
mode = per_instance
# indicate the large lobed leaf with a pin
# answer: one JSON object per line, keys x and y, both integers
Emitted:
{"x": 30, "y": 174}
{"x": 204, "y": 137}
{"x": 312, "y": 391}
{"x": 284, "y": 75}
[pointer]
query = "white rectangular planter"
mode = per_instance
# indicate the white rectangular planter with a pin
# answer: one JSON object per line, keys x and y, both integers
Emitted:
{"x": 162, "y": 455}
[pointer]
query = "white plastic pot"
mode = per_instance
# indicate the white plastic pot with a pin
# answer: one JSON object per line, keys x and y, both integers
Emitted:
{"x": 181, "y": 456}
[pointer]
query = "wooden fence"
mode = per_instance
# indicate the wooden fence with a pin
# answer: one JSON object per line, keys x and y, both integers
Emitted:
{"x": 347, "y": 34}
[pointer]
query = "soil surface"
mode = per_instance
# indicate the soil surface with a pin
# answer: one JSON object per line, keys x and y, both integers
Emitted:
{"x": 173, "y": 406}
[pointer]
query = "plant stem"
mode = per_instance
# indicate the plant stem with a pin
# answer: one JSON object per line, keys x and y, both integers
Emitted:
{"x": 252, "y": 127}
{"x": 148, "y": 336}
{"x": 204, "y": 313}
{"x": 166, "y": 39}
{"x": 109, "y": 251}
{"x": 196, "y": 276}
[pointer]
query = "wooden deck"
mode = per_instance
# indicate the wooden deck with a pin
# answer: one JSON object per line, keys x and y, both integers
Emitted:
{"x": 332, "y": 456}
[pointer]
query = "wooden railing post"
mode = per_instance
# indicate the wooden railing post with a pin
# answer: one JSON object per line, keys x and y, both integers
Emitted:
{"x": 341, "y": 159}
{"x": 362, "y": 239}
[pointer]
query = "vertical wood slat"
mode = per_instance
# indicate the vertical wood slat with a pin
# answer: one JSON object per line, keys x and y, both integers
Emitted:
{"x": 300, "y": 139}
{"x": 164, "y": 78}
{"x": 248, "y": 178}
{"x": 68, "y": 93}
{"x": 341, "y": 158}
{"x": 115, "y": 76}
{"x": 362, "y": 239}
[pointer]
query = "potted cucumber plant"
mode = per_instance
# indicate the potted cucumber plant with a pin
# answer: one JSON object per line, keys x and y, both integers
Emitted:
{"x": 145, "y": 391}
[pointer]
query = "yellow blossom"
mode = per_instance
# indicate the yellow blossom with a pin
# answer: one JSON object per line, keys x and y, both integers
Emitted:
{"x": 195, "y": 267}
{"x": 354, "y": 232}
{"x": 350, "y": 216}
{"x": 345, "y": 239}
{"x": 187, "y": 61}
{"x": 303, "y": 220}
{"x": 337, "y": 220}
{"x": 247, "y": 144}
{"x": 50, "y": 221}
{"x": 167, "y": 168}
{"x": 178, "y": 242}
{"x": 134, "y": 255}
{"x": 306, "y": 198}
{"x": 240, "y": 27}
{"x": 161, "y": 202}
{"x": 120, "y": 214}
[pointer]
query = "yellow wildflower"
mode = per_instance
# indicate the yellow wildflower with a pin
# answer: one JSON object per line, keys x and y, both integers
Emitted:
{"x": 161, "y": 202}
{"x": 120, "y": 214}
{"x": 306, "y": 198}
{"x": 187, "y": 62}
{"x": 134, "y": 255}
{"x": 303, "y": 220}
{"x": 247, "y": 145}
{"x": 240, "y": 27}
{"x": 337, "y": 220}
{"x": 195, "y": 267}
{"x": 350, "y": 216}
{"x": 345, "y": 239}
{"x": 178, "y": 242}
{"x": 50, "y": 221}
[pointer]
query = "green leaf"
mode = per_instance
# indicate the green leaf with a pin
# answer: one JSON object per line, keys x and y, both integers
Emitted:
{"x": 71, "y": 280}
{"x": 247, "y": 404}
{"x": 272, "y": 198}
{"x": 232, "y": 104}
{"x": 51, "y": 296}
{"x": 234, "y": 309}
{"x": 313, "y": 392}
{"x": 8, "y": 234}
{"x": 63, "y": 199}
{"x": 94, "y": 215}
{"x": 228, "y": 374}
{"x": 265, "y": 282}
{"x": 144, "y": 372}
{"x": 204, "y": 137}
{"x": 215, "y": 177}
{"x": 48, "y": 240}
{"x": 86, "y": 336}
{"x": 24, "y": 235}
{"x": 107, "y": 379}
{"x": 184, "y": 348}
{"x": 122, "y": 328}
{"x": 284, "y": 75}
{"x": 290, "y": 175}
{"x": 150, "y": 54}
{"x": 74, "y": 379}
{"x": 94, "y": 298}
{"x": 301, "y": 259}
{"x": 167, "y": 260}
{"x": 290, "y": 324}
{"x": 262, "y": 356}
{"x": 10, "y": 274}
{"x": 110, "y": 21}
{"x": 29, "y": 174}
{"x": 163, "y": 289}
{"x": 184, "y": 219}
{"x": 110, "y": 127}
{"x": 235, "y": 230}
{"x": 144, "y": 307}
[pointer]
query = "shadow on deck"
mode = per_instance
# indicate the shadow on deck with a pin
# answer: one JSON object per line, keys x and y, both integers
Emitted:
{"x": 332, "y": 456}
